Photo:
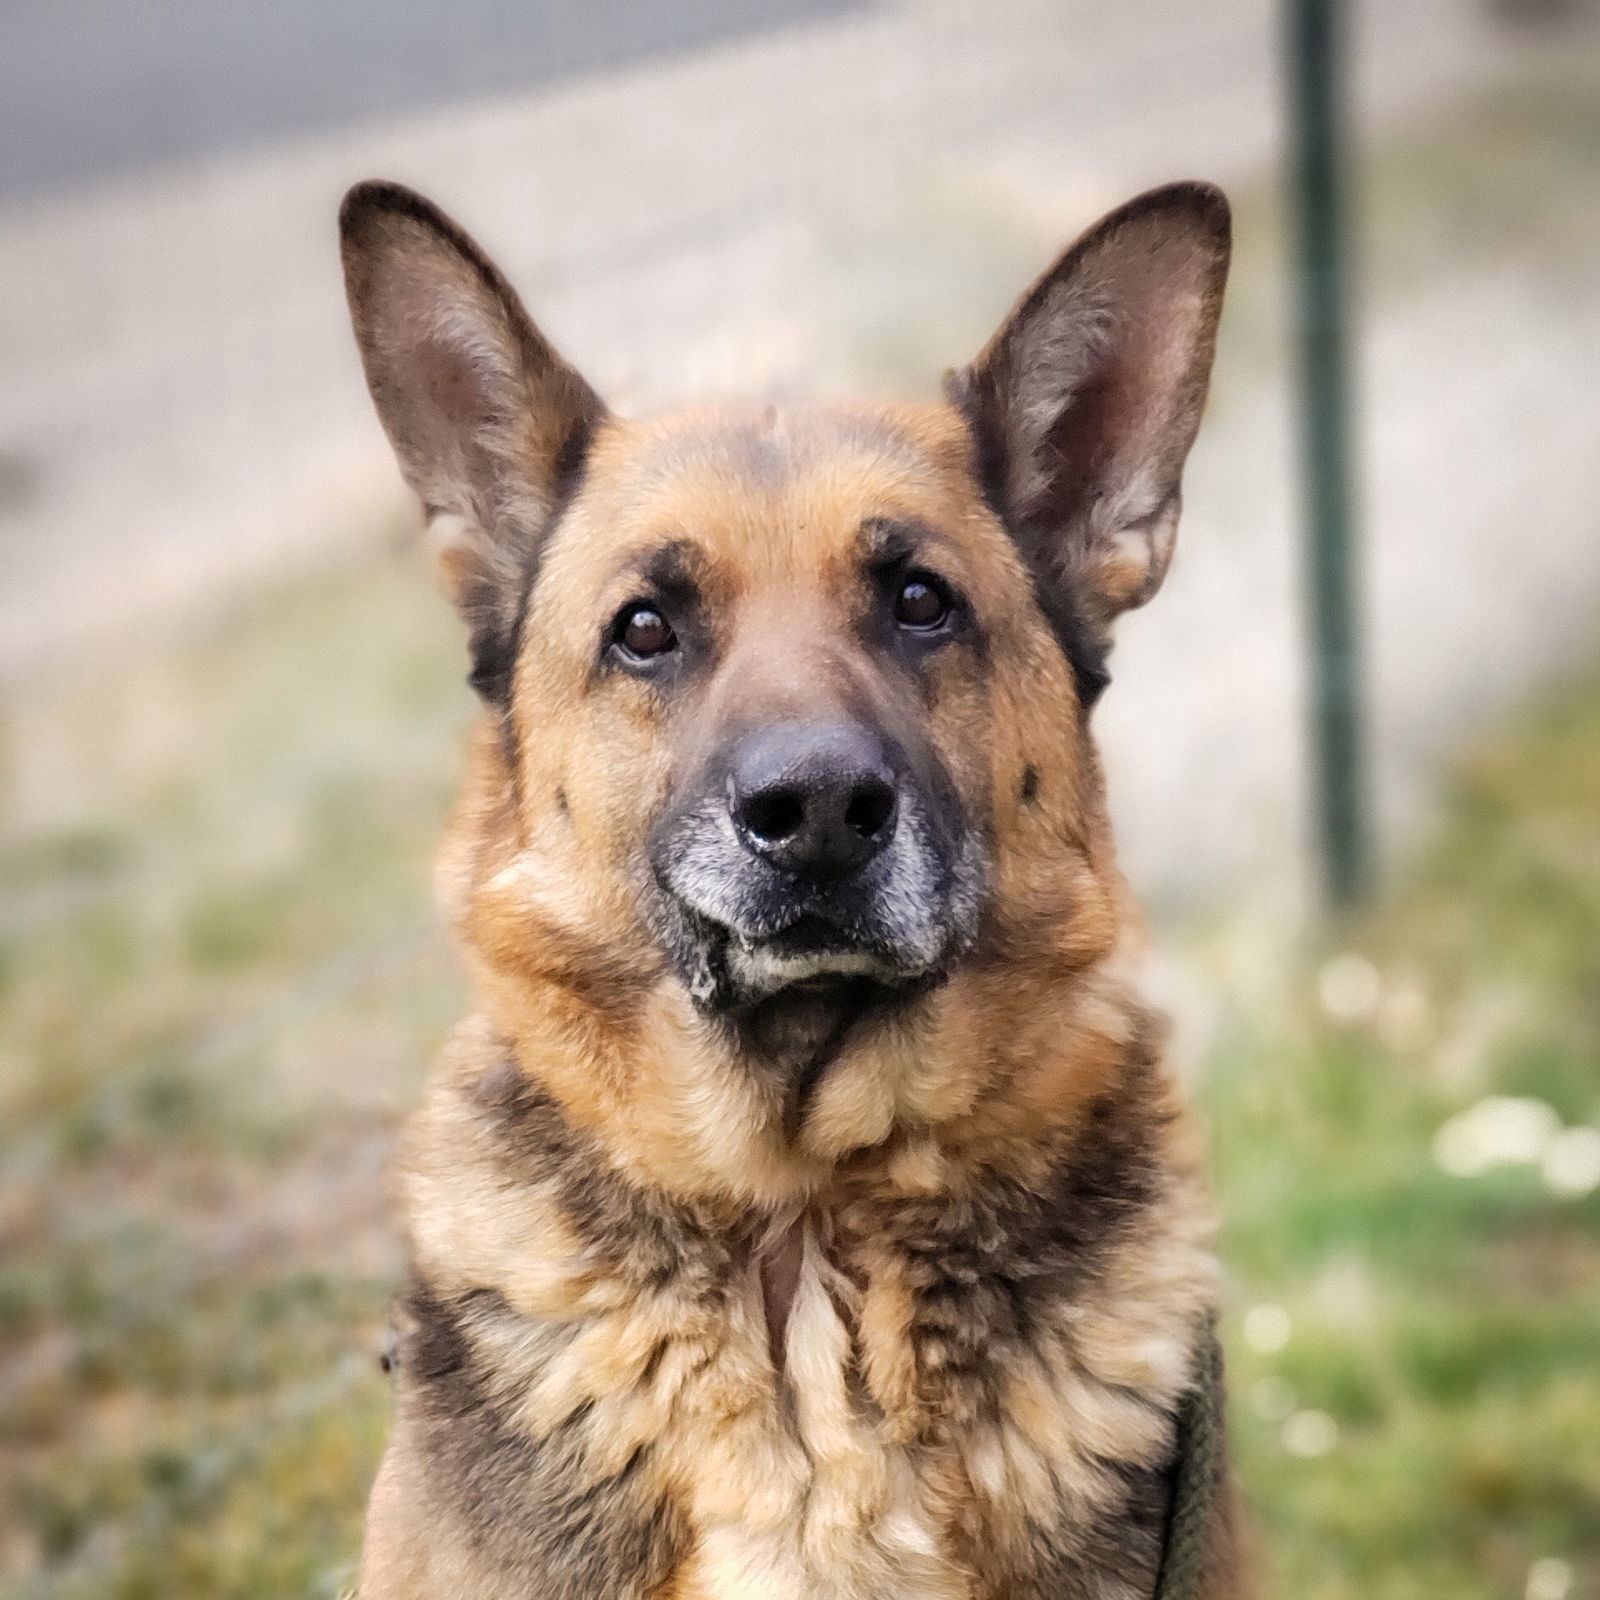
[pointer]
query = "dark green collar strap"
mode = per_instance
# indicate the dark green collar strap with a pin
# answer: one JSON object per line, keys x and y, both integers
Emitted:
{"x": 1196, "y": 1472}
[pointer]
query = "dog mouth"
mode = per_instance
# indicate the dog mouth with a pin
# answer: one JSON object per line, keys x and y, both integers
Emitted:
{"x": 809, "y": 958}
{"x": 810, "y": 953}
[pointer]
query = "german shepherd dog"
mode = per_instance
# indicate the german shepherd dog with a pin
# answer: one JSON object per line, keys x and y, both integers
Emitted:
{"x": 804, "y": 1212}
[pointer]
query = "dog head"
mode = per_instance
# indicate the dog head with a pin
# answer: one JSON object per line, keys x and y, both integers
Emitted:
{"x": 786, "y": 706}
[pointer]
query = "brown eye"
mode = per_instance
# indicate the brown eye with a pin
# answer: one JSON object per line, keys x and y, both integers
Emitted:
{"x": 643, "y": 632}
{"x": 923, "y": 602}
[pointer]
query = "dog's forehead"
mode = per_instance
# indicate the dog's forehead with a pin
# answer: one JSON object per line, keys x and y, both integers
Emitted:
{"x": 766, "y": 447}
{"x": 756, "y": 485}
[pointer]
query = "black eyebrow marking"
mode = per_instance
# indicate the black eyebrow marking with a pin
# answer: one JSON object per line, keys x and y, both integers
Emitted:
{"x": 674, "y": 570}
{"x": 890, "y": 541}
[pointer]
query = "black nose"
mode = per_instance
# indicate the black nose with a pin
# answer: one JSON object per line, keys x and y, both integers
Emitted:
{"x": 817, "y": 799}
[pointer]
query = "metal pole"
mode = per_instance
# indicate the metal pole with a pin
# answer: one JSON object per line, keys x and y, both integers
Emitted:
{"x": 1318, "y": 202}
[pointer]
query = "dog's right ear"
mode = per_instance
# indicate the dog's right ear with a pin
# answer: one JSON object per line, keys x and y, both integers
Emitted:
{"x": 1085, "y": 403}
{"x": 490, "y": 425}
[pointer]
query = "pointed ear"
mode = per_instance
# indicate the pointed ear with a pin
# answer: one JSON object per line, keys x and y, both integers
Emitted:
{"x": 490, "y": 425}
{"x": 1086, "y": 401}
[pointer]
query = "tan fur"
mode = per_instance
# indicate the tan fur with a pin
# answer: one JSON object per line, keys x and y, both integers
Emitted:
{"x": 778, "y": 1394}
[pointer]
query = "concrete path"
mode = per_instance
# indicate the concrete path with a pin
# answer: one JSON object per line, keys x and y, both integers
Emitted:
{"x": 90, "y": 90}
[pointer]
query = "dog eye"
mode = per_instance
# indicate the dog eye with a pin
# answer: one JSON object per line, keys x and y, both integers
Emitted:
{"x": 642, "y": 632}
{"x": 922, "y": 602}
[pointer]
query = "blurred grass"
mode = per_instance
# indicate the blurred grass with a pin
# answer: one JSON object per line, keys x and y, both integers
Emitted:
{"x": 1447, "y": 1325}
{"x": 221, "y": 981}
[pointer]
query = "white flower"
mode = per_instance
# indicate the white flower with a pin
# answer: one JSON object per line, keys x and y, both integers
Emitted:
{"x": 1350, "y": 988}
{"x": 1549, "y": 1578}
{"x": 1266, "y": 1328}
{"x": 1571, "y": 1164}
{"x": 1499, "y": 1130}
{"x": 1310, "y": 1434}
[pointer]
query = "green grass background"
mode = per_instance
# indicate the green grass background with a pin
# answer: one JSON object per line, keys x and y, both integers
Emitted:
{"x": 221, "y": 980}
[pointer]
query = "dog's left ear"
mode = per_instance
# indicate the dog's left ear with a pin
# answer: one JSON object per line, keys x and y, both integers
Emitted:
{"x": 1086, "y": 401}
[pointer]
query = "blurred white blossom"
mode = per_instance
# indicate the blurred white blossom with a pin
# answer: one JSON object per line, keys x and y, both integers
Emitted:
{"x": 1571, "y": 1163}
{"x": 1497, "y": 1131}
{"x": 1549, "y": 1578}
{"x": 1266, "y": 1328}
{"x": 1349, "y": 987}
{"x": 1310, "y": 1434}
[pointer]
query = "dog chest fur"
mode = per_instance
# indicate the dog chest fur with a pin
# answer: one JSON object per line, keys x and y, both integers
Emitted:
{"x": 904, "y": 1388}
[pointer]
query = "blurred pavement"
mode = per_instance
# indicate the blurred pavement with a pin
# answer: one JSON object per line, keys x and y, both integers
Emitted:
{"x": 90, "y": 89}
